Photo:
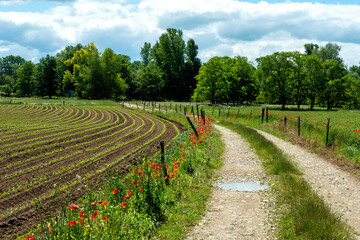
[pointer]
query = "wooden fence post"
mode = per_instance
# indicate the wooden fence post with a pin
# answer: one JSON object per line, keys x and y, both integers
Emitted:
{"x": 327, "y": 132}
{"x": 237, "y": 114}
{"x": 197, "y": 110}
{"x": 162, "y": 147}
{"x": 212, "y": 114}
{"x": 299, "y": 126}
{"x": 267, "y": 114}
{"x": 250, "y": 114}
{"x": 192, "y": 126}
{"x": 228, "y": 113}
{"x": 262, "y": 115}
{"x": 285, "y": 121}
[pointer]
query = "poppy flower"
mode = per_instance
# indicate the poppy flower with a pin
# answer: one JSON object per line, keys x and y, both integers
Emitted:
{"x": 127, "y": 196}
{"x": 123, "y": 204}
{"x": 50, "y": 229}
{"x": 79, "y": 223}
{"x": 72, "y": 223}
{"x": 141, "y": 189}
{"x": 74, "y": 207}
{"x": 181, "y": 146}
{"x": 199, "y": 141}
{"x": 81, "y": 214}
{"x": 171, "y": 175}
{"x": 105, "y": 218}
{"x": 115, "y": 191}
{"x": 104, "y": 203}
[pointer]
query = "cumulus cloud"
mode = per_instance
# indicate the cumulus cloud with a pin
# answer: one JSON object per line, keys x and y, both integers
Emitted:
{"x": 219, "y": 27}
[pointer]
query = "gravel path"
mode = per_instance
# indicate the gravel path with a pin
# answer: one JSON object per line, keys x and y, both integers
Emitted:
{"x": 236, "y": 214}
{"x": 339, "y": 189}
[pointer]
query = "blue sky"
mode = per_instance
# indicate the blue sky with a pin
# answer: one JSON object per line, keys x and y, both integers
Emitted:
{"x": 253, "y": 28}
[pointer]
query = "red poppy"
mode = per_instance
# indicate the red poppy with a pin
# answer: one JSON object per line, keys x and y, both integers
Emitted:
{"x": 127, "y": 196}
{"x": 105, "y": 218}
{"x": 104, "y": 203}
{"x": 123, "y": 204}
{"x": 141, "y": 189}
{"x": 132, "y": 182}
{"x": 50, "y": 229}
{"x": 178, "y": 179}
{"x": 74, "y": 207}
{"x": 115, "y": 191}
{"x": 181, "y": 146}
{"x": 134, "y": 171}
{"x": 72, "y": 223}
{"x": 199, "y": 141}
{"x": 79, "y": 223}
{"x": 81, "y": 214}
{"x": 171, "y": 175}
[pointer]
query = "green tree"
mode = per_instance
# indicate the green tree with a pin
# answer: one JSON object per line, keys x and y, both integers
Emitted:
{"x": 310, "y": 48}
{"x": 314, "y": 78}
{"x": 335, "y": 83}
{"x": 168, "y": 54}
{"x": 211, "y": 81}
{"x": 145, "y": 53}
{"x": 150, "y": 82}
{"x": 241, "y": 78}
{"x": 46, "y": 84}
{"x": 331, "y": 51}
{"x": 274, "y": 74}
{"x": 25, "y": 83}
{"x": 298, "y": 77}
{"x": 192, "y": 67}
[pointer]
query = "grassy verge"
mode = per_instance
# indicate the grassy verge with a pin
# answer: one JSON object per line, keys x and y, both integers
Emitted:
{"x": 304, "y": 215}
{"x": 142, "y": 205}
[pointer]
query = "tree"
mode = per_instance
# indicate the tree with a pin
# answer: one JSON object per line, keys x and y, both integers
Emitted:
{"x": 150, "y": 83}
{"x": 314, "y": 78}
{"x": 334, "y": 88}
{"x": 46, "y": 84}
{"x": 192, "y": 67}
{"x": 298, "y": 74}
{"x": 145, "y": 53}
{"x": 331, "y": 51}
{"x": 168, "y": 54}
{"x": 25, "y": 84}
{"x": 274, "y": 75}
{"x": 310, "y": 48}
{"x": 211, "y": 82}
{"x": 61, "y": 67}
{"x": 241, "y": 78}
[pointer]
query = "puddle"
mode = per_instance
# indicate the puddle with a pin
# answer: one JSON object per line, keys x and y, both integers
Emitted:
{"x": 243, "y": 186}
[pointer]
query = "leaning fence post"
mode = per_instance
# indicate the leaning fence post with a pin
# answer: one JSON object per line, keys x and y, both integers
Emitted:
{"x": 162, "y": 147}
{"x": 197, "y": 110}
{"x": 192, "y": 126}
{"x": 327, "y": 132}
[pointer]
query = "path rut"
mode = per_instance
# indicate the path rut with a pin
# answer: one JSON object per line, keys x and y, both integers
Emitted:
{"x": 235, "y": 214}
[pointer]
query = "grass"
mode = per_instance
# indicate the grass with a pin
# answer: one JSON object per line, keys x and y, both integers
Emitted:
{"x": 304, "y": 215}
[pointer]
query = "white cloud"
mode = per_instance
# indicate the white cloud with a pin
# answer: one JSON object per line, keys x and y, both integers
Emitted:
{"x": 219, "y": 27}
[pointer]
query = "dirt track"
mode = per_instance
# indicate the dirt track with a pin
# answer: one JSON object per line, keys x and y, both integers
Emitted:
{"x": 99, "y": 137}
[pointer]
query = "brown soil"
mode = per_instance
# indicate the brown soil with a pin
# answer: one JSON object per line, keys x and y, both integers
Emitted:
{"x": 19, "y": 221}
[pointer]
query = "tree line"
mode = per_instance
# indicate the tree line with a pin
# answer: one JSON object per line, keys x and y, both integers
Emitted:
{"x": 171, "y": 70}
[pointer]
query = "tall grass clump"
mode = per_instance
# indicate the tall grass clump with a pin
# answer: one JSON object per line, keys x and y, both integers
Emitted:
{"x": 304, "y": 215}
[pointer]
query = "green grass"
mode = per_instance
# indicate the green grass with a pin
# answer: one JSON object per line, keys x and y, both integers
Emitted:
{"x": 304, "y": 215}
{"x": 58, "y": 101}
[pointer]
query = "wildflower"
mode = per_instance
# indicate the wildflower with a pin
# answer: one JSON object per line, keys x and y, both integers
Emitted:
{"x": 141, "y": 189}
{"x": 181, "y": 146}
{"x": 72, "y": 223}
{"x": 123, "y": 204}
{"x": 81, "y": 214}
{"x": 127, "y": 196}
{"x": 104, "y": 203}
{"x": 105, "y": 218}
{"x": 134, "y": 171}
{"x": 115, "y": 191}
{"x": 171, "y": 175}
{"x": 50, "y": 229}
{"x": 74, "y": 207}
{"x": 178, "y": 179}
{"x": 132, "y": 182}
{"x": 79, "y": 223}
{"x": 199, "y": 141}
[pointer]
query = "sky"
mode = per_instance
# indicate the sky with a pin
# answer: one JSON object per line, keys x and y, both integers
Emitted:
{"x": 251, "y": 28}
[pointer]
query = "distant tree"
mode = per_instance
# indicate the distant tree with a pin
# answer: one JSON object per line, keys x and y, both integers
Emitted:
{"x": 25, "y": 83}
{"x": 331, "y": 51}
{"x": 7, "y": 64}
{"x": 274, "y": 74}
{"x": 145, "y": 53}
{"x": 335, "y": 83}
{"x": 61, "y": 57}
{"x": 150, "y": 83}
{"x": 298, "y": 78}
{"x": 211, "y": 81}
{"x": 241, "y": 79}
{"x": 168, "y": 54}
{"x": 192, "y": 67}
{"x": 46, "y": 84}
{"x": 310, "y": 48}
{"x": 314, "y": 78}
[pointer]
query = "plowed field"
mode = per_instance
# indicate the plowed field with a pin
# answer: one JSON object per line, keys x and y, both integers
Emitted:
{"x": 49, "y": 153}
